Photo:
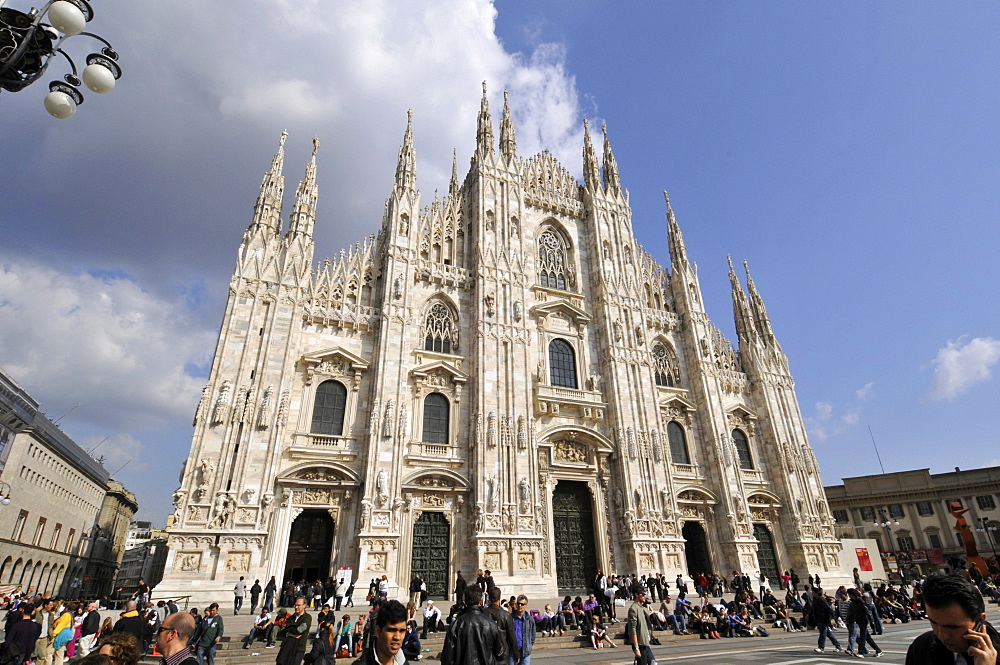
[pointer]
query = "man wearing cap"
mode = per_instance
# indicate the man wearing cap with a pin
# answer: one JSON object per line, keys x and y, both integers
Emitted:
{"x": 432, "y": 619}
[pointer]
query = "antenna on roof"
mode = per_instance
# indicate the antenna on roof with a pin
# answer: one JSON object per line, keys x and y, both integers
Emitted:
{"x": 876, "y": 449}
{"x": 99, "y": 443}
{"x": 121, "y": 467}
{"x": 56, "y": 422}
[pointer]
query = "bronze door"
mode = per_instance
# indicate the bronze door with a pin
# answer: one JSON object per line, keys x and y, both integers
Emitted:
{"x": 696, "y": 548}
{"x": 573, "y": 530}
{"x": 431, "y": 553}
{"x": 309, "y": 547}
{"x": 766, "y": 556}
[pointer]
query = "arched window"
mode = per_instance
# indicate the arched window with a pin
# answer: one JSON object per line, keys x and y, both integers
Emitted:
{"x": 663, "y": 366}
{"x": 436, "y": 408}
{"x": 551, "y": 261}
{"x": 328, "y": 410}
{"x": 678, "y": 443}
{"x": 742, "y": 449}
{"x": 440, "y": 331}
{"x": 562, "y": 364}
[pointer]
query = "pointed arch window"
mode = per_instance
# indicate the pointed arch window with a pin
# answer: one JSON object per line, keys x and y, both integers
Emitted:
{"x": 663, "y": 365}
{"x": 562, "y": 364}
{"x": 742, "y": 449}
{"x": 678, "y": 443}
{"x": 436, "y": 412}
{"x": 440, "y": 330}
{"x": 328, "y": 409}
{"x": 552, "y": 267}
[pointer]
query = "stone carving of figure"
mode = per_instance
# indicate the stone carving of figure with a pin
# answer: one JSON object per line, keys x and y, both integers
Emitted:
{"x": 480, "y": 518}
{"x": 397, "y": 287}
{"x": 492, "y": 493}
{"x": 366, "y": 513}
{"x": 490, "y": 304}
{"x": 639, "y": 337}
{"x": 222, "y": 403}
{"x": 397, "y": 511}
{"x": 263, "y": 415}
{"x": 508, "y": 519}
{"x": 207, "y": 468}
{"x": 522, "y": 434}
{"x": 179, "y": 497}
{"x": 404, "y": 225}
{"x": 524, "y": 494}
{"x": 229, "y": 512}
{"x": 266, "y": 507}
{"x": 491, "y": 432}
{"x": 387, "y": 421}
{"x": 382, "y": 487}
{"x": 517, "y": 310}
{"x": 402, "y": 425}
{"x": 639, "y": 507}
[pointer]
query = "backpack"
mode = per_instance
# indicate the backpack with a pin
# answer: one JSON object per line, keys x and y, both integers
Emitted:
{"x": 762, "y": 632}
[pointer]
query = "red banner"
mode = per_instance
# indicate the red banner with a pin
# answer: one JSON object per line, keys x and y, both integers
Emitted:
{"x": 864, "y": 562}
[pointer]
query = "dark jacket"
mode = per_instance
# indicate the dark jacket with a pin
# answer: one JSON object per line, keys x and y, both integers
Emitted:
{"x": 21, "y": 638}
{"x": 210, "y": 630}
{"x": 133, "y": 623}
{"x": 297, "y": 626}
{"x": 821, "y": 613}
{"x": 857, "y": 612}
{"x": 323, "y": 653}
{"x": 91, "y": 623}
{"x": 506, "y": 625}
{"x": 527, "y": 635}
{"x": 474, "y": 639}
{"x": 927, "y": 649}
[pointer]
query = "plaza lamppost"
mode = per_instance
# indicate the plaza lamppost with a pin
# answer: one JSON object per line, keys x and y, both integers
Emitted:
{"x": 29, "y": 41}
{"x": 4, "y": 494}
{"x": 886, "y": 522}
{"x": 990, "y": 531}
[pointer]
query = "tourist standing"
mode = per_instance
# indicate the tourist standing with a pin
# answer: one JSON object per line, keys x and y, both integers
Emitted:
{"x": 473, "y": 638}
{"x": 638, "y": 628}
{"x": 295, "y": 635}
{"x": 209, "y": 635}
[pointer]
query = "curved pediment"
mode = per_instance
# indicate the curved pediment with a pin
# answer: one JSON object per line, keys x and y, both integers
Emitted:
{"x": 696, "y": 495}
{"x": 763, "y": 498}
{"x": 439, "y": 479}
{"x": 321, "y": 473}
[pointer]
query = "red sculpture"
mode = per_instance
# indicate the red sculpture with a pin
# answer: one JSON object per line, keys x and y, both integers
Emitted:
{"x": 971, "y": 552}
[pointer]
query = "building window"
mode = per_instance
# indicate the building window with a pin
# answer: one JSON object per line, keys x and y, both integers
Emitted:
{"x": 986, "y": 502}
{"x": 328, "y": 410}
{"x": 551, "y": 261}
{"x": 664, "y": 364}
{"x": 562, "y": 364}
{"x": 22, "y": 517}
{"x": 55, "y": 536}
{"x": 948, "y": 503}
{"x": 69, "y": 541}
{"x": 896, "y": 510}
{"x": 840, "y": 516}
{"x": 440, "y": 330}
{"x": 935, "y": 540}
{"x": 436, "y": 410}
{"x": 868, "y": 514}
{"x": 905, "y": 543}
{"x": 39, "y": 531}
{"x": 742, "y": 449}
{"x": 678, "y": 444}
{"x": 925, "y": 508}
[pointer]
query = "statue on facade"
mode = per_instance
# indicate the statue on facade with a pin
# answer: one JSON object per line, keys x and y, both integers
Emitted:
{"x": 524, "y": 494}
{"x": 382, "y": 487}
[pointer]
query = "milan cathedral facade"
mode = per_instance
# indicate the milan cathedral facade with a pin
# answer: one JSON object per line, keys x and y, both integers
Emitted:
{"x": 504, "y": 379}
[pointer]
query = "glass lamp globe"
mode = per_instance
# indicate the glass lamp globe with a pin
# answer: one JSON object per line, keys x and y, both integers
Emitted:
{"x": 67, "y": 17}
{"x": 98, "y": 78}
{"x": 60, "y": 105}
{"x": 5, "y": 501}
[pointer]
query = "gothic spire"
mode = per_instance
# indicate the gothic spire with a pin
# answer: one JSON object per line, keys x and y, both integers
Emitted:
{"x": 484, "y": 128}
{"x": 757, "y": 307}
{"x": 453, "y": 183}
{"x": 612, "y": 183}
{"x": 678, "y": 253}
{"x": 508, "y": 143}
{"x": 745, "y": 328}
{"x": 406, "y": 167}
{"x": 303, "y": 216}
{"x": 267, "y": 211}
{"x": 591, "y": 172}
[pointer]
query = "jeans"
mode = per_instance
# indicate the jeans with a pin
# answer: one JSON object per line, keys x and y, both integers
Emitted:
{"x": 526, "y": 660}
{"x": 237, "y": 604}
{"x": 206, "y": 653}
{"x": 645, "y": 656}
{"x": 824, "y": 632}
{"x": 852, "y": 636}
{"x": 345, "y": 639}
{"x": 866, "y": 638}
{"x": 678, "y": 621}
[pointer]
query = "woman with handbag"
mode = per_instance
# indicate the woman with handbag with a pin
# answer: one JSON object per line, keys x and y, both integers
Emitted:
{"x": 324, "y": 650}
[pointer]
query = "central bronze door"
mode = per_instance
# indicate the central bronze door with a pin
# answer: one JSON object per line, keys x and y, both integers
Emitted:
{"x": 573, "y": 529}
{"x": 309, "y": 547}
{"x": 431, "y": 536}
{"x": 766, "y": 556}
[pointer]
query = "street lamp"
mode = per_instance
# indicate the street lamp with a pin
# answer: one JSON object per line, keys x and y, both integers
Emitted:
{"x": 28, "y": 44}
{"x": 990, "y": 531}
{"x": 887, "y": 522}
{"x": 4, "y": 494}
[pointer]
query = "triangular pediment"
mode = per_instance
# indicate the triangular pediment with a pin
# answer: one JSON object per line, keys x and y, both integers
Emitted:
{"x": 678, "y": 402}
{"x": 334, "y": 354}
{"x": 742, "y": 413}
{"x": 441, "y": 368}
{"x": 563, "y": 307}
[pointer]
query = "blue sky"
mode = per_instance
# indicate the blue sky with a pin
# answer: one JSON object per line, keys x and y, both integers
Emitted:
{"x": 847, "y": 150}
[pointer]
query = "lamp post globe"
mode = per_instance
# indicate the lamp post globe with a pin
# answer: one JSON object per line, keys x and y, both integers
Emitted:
{"x": 60, "y": 105}
{"x": 67, "y": 17}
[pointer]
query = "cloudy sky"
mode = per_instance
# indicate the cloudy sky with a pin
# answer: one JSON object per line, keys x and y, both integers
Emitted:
{"x": 848, "y": 151}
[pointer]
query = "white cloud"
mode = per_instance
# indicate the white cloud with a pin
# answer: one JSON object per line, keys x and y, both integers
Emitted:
{"x": 851, "y": 417}
{"x": 103, "y": 342}
{"x": 824, "y": 410}
{"x": 865, "y": 391}
{"x": 962, "y": 364}
{"x": 118, "y": 453}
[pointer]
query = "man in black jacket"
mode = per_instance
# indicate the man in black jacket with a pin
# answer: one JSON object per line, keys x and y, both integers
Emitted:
{"x": 474, "y": 638}
{"x": 88, "y": 630}
{"x": 959, "y": 632}
{"x": 504, "y": 623}
{"x": 822, "y": 616}
{"x": 19, "y": 640}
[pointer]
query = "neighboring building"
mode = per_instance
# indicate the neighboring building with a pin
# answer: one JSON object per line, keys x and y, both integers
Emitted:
{"x": 146, "y": 562}
{"x": 109, "y": 543}
{"x": 49, "y": 530}
{"x": 921, "y": 530}
{"x": 504, "y": 379}
{"x": 138, "y": 532}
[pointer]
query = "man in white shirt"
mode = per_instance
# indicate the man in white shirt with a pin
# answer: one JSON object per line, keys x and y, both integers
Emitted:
{"x": 263, "y": 624}
{"x": 240, "y": 592}
{"x": 432, "y": 619}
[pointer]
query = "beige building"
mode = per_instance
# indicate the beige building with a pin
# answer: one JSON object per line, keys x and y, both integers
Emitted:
{"x": 109, "y": 543}
{"x": 502, "y": 379}
{"x": 50, "y": 528}
{"x": 914, "y": 506}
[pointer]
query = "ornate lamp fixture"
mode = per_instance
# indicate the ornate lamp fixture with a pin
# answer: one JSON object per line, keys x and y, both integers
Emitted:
{"x": 29, "y": 41}
{"x": 4, "y": 494}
